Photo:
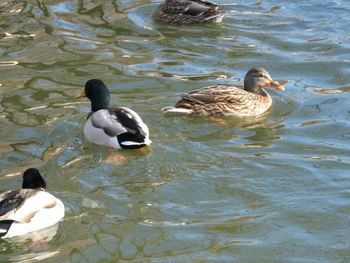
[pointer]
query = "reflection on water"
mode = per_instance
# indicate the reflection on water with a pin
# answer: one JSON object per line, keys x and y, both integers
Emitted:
{"x": 267, "y": 189}
{"x": 331, "y": 91}
{"x": 37, "y": 244}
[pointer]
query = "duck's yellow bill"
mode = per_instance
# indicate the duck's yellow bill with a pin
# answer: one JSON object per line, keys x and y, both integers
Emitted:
{"x": 82, "y": 95}
{"x": 276, "y": 85}
{"x": 279, "y": 87}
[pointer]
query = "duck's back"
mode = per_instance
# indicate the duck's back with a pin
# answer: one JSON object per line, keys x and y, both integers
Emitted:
{"x": 39, "y": 209}
{"x": 118, "y": 128}
{"x": 11, "y": 201}
{"x": 187, "y": 12}
{"x": 224, "y": 100}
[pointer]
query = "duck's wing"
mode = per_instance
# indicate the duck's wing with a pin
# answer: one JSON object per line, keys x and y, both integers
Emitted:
{"x": 191, "y": 8}
{"x": 10, "y": 200}
{"x": 123, "y": 123}
{"x": 108, "y": 121}
{"x": 132, "y": 120}
{"x": 224, "y": 100}
{"x": 217, "y": 94}
{"x": 116, "y": 121}
{"x": 196, "y": 8}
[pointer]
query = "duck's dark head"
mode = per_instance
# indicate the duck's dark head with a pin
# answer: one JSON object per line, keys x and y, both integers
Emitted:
{"x": 97, "y": 92}
{"x": 257, "y": 78}
{"x": 32, "y": 179}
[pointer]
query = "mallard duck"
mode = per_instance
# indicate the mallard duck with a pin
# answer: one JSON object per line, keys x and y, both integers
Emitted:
{"x": 30, "y": 208}
{"x": 187, "y": 12}
{"x": 227, "y": 100}
{"x": 118, "y": 127}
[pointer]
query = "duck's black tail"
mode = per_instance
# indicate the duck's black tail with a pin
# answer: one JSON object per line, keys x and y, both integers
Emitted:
{"x": 5, "y": 226}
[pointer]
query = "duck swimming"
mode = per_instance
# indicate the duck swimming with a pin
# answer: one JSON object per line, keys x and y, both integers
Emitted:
{"x": 118, "y": 127}
{"x": 226, "y": 100}
{"x": 30, "y": 208}
{"x": 185, "y": 12}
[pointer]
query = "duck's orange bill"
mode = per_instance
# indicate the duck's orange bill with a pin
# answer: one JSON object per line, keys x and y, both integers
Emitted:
{"x": 82, "y": 95}
{"x": 276, "y": 85}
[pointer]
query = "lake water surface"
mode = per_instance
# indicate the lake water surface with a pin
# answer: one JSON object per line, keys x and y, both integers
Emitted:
{"x": 271, "y": 189}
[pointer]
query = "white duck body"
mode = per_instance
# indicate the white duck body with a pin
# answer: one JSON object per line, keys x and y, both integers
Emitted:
{"x": 37, "y": 209}
{"x": 116, "y": 127}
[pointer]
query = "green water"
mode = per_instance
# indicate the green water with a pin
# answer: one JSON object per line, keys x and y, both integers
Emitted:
{"x": 274, "y": 189}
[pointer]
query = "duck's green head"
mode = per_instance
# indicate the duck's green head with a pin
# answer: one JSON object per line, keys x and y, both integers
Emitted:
{"x": 32, "y": 179}
{"x": 97, "y": 92}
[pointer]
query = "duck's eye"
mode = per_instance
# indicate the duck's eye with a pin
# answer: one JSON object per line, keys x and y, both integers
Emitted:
{"x": 261, "y": 76}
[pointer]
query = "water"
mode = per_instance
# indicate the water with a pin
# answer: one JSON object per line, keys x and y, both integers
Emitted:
{"x": 272, "y": 189}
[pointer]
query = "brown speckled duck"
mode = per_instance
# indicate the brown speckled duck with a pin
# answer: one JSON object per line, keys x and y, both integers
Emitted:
{"x": 228, "y": 100}
{"x": 185, "y": 12}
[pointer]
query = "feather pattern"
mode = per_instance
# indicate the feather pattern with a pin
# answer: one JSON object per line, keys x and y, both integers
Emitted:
{"x": 10, "y": 200}
{"x": 224, "y": 100}
{"x": 108, "y": 121}
{"x": 187, "y": 12}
